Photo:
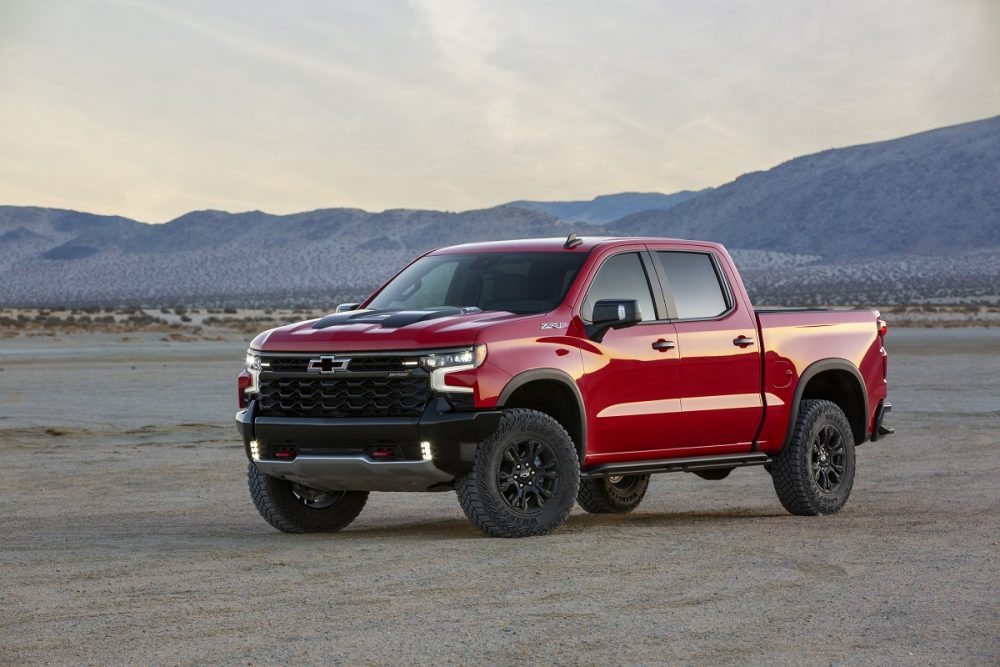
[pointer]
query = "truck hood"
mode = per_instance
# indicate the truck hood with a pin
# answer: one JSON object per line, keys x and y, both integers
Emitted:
{"x": 365, "y": 330}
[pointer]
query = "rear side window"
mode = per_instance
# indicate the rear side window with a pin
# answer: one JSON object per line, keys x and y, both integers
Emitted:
{"x": 694, "y": 283}
{"x": 621, "y": 277}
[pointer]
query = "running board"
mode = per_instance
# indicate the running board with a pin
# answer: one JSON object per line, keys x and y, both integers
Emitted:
{"x": 687, "y": 464}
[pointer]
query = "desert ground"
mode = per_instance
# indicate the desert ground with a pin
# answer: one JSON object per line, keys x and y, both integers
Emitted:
{"x": 127, "y": 536}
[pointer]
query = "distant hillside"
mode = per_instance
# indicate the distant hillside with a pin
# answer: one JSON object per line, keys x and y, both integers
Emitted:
{"x": 607, "y": 208}
{"x": 933, "y": 193}
{"x": 51, "y": 256}
{"x": 912, "y": 219}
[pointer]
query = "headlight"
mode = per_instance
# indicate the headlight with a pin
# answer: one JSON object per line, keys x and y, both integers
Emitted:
{"x": 469, "y": 356}
{"x": 253, "y": 362}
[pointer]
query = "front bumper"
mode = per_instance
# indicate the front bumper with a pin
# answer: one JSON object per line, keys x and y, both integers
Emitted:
{"x": 337, "y": 454}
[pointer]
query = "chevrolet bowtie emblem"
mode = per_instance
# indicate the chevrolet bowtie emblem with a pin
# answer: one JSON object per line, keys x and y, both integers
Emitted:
{"x": 327, "y": 364}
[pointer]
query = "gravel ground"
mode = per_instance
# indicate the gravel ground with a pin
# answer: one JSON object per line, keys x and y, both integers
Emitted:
{"x": 127, "y": 536}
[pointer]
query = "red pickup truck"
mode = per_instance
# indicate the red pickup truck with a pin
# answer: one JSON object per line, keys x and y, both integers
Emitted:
{"x": 526, "y": 375}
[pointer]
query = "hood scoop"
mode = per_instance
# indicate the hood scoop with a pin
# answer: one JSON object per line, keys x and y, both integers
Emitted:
{"x": 391, "y": 319}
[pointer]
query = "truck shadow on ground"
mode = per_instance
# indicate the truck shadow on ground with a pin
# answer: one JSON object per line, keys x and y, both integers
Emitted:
{"x": 575, "y": 524}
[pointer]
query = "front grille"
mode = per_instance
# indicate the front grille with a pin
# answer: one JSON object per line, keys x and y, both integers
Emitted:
{"x": 343, "y": 396}
{"x": 375, "y": 364}
{"x": 379, "y": 364}
{"x": 286, "y": 364}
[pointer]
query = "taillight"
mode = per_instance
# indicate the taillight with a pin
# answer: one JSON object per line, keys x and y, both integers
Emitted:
{"x": 882, "y": 327}
{"x": 243, "y": 382}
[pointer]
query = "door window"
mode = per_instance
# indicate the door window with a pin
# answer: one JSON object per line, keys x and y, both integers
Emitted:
{"x": 621, "y": 277}
{"x": 694, "y": 283}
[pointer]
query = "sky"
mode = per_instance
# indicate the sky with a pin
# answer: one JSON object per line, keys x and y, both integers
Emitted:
{"x": 152, "y": 109}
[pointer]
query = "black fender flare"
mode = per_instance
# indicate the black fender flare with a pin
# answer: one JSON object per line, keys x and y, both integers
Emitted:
{"x": 552, "y": 374}
{"x": 821, "y": 366}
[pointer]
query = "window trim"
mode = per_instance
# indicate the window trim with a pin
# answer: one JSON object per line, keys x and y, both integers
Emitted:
{"x": 720, "y": 276}
{"x": 659, "y": 305}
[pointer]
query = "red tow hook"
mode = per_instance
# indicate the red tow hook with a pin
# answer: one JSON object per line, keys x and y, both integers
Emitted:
{"x": 286, "y": 453}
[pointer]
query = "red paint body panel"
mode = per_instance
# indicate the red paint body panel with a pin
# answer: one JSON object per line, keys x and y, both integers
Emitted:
{"x": 794, "y": 341}
{"x": 705, "y": 396}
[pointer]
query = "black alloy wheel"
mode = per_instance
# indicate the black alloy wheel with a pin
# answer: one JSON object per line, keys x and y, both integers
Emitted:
{"x": 814, "y": 472}
{"x": 527, "y": 475}
{"x": 828, "y": 459}
{"x": 524, "y": 479}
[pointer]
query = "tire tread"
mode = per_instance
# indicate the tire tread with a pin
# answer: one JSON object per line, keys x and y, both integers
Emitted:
{"x": 487, "y": 511}
{"x": 274, "y": 500}
{"x": 790, "y": 472}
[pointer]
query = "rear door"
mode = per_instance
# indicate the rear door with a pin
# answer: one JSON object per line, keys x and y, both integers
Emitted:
{"x": 632, "y": 375}
{"x": 720, "y": 362}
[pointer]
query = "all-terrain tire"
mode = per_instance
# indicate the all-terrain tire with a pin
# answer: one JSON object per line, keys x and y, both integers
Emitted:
{"x": 814, "y": 473}
{"x": 612, "y": 495}
{"x": 294, "y": 509}
{"x": 529, "y": 459}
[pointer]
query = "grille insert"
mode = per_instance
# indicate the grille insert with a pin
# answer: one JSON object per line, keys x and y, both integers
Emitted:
{"x": 287, "y": 364}
{"x": 343, "y": 396}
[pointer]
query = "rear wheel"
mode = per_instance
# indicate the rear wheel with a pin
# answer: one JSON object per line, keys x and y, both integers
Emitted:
{"x": 525, "y": 477}
{"x": 814, "y": 473}
{"x": 617, "y": 494}
{"x": 293, "y": 508}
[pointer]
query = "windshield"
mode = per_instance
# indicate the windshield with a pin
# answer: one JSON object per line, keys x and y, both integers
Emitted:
{"x": 523, "y": 283}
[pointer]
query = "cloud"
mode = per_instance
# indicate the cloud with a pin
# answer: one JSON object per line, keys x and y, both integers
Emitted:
{"x": 149, "y": 109}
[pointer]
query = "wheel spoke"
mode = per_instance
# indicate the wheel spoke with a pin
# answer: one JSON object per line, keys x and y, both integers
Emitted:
{"x": 533, "y": 448}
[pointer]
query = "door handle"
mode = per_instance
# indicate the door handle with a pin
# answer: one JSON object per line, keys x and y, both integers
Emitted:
{"x": 664, "y": 345}
{"x": 743, "y": 341}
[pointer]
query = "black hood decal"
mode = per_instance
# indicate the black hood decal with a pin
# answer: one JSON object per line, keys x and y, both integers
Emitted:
{"x": 390, "y": 319}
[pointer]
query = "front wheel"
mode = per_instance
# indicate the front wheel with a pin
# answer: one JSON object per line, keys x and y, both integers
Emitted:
{"x": 525, "y": 477}
{"x": 814, "y": 473}
{"x": 293, "y": 508}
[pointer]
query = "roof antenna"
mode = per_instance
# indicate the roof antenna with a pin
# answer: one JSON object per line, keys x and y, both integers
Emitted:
{"x": 572, "y": 241}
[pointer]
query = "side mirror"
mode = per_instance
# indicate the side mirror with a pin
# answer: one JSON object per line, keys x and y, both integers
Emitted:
{"x": 613, "y": 314}
{"x": 345, "y": 307}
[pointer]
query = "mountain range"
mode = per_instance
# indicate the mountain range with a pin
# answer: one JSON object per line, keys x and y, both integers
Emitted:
{"x": 911, "y": 219}
{"x": 608, "y": 208}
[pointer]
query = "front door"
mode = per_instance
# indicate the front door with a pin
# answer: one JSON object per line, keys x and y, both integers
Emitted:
{"x": 632, "y": 375}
